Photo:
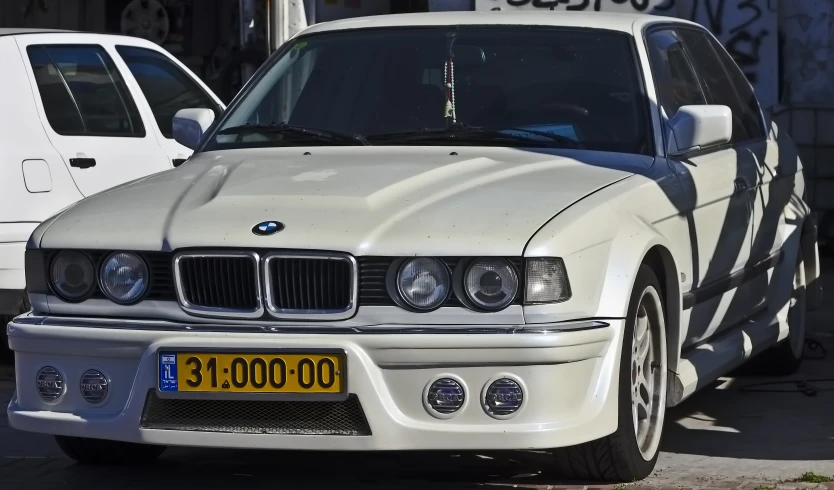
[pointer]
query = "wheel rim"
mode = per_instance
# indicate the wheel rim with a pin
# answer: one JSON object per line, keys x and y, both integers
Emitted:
{"x": 648, "y": 373}
{"x": 796, "y": 313}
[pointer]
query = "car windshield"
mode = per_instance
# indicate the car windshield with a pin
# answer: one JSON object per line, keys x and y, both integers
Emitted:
{"x": 481, "y": 86}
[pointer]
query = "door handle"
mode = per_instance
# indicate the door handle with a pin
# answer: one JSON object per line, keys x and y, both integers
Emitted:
{"x": 82, "y": 162}
{"x": 740, "y": 185}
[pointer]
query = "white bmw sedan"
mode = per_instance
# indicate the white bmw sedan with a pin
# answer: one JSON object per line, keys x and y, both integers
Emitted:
{"x": 468, "y": 231}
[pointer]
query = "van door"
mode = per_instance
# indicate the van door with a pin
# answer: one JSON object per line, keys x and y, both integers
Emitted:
{"x": 168, "y": 87}
{"x": 90, "y": 116}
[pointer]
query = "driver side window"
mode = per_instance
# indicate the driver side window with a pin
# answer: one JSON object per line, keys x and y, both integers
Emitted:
{"x": 676, "y": 82}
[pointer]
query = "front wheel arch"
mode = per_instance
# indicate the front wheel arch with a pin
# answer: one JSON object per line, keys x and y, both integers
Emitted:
{"x": 660, "y": 260}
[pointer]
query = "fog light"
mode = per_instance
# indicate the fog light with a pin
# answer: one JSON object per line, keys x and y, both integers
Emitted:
{"x": 50, "y": 383}
{"x": 444, "y": 397}
{"x": 503, "y": 397}
{"x": 94, "y": 386}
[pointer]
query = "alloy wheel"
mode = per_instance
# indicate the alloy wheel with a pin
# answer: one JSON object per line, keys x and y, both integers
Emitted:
{"x": 648, "y": 373}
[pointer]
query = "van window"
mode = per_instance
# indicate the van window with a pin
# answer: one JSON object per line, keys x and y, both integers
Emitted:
{"x": 82, "y": 91}
{"x": 166, "y": 87}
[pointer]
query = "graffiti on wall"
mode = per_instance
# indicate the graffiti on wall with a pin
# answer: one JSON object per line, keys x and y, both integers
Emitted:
{"x": 747, "y": 28}
{"x": 749, "y": 31}
{"x": 808, "y": 50}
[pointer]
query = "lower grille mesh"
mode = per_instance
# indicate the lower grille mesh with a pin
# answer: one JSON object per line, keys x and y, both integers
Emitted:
{"x": 345, "y": 418}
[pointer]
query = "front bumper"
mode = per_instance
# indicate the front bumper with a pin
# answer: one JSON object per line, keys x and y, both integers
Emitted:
{"x": 568, "y": 370}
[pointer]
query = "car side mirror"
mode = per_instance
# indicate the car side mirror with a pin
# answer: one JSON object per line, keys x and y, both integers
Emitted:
{"x": 695, "y": 127}
{"x": 190, "y": 124}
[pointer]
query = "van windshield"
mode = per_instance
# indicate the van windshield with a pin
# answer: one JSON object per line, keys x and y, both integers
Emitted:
{"x": 480, "y": 86}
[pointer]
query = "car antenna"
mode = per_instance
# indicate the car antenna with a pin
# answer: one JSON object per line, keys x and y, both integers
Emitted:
{"x": 449, "y": 81}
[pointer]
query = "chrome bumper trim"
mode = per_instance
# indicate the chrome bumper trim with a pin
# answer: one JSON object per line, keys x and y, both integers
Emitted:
{"x": 118, "y": 323}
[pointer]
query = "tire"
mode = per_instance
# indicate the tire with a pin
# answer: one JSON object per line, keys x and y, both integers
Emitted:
{"x": 6, "y": 355}
{"x": 785, "y": 358}
{"x": 104, "y": 452}
{"x": 619, "y": 457}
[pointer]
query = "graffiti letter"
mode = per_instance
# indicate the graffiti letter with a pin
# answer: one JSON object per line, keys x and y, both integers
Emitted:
{"x": 749, "y": 57}
{"x": 545, "y": 4}
{"x": 714, "y": 16}
{"x": 748, "y": 5}
{"x": 581, "y": 6}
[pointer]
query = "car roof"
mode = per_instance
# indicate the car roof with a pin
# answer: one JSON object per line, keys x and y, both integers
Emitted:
{"x": 82, "y": 37}
{"x": 623, "y": 22}
{"x": 18, "y": 31}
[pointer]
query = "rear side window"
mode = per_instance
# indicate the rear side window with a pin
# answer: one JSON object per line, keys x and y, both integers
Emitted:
{"x": 82, "y": 91}
{"x": 166, "y": 87}
{"x": 725, "y": 84}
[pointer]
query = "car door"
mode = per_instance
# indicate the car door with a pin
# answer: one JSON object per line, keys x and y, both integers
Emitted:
{"x": 771, "y": 199}
{"x": 167, "y": 87}
{"x": 719, "y": 210}
{"x": 726, "y": 84}
{"x": 89, "y": 114}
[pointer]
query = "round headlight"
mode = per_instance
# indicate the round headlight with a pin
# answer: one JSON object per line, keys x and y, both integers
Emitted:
{"x": 72, "y": 275}
{"x": 124, "y": 277}
{"x": 424, "y": 283}
{"x": 491, "y": 283}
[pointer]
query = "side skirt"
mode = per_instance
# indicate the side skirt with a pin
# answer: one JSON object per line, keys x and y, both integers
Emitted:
{"x": 710, "y": 360}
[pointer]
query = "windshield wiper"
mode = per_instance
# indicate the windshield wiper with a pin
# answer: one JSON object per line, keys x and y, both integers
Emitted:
{"x": 461, "y": 132}
{"x": 283, "y": 127}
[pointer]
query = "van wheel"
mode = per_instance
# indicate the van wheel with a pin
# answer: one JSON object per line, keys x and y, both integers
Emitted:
{"x": 104, "y": 452}
{"x": 5, "y": 351}
{"x": 630, "y": 453}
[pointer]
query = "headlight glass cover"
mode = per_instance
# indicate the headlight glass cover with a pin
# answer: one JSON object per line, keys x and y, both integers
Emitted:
{"x": 424, "y": 283}
{"x": 491, "y": 283}
{"x": 124, "y": 277}
{"x": 72, "y": 275}
{"x": 547, "y": 281}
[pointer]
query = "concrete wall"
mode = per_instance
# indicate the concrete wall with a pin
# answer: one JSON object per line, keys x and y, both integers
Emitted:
{"x": 808, "y": 52}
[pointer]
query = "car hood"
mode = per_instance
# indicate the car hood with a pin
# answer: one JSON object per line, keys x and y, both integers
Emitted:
{"x": 363, "y": 200}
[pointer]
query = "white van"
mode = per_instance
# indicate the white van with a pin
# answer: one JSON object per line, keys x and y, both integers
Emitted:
{"x": 81, "y": 113}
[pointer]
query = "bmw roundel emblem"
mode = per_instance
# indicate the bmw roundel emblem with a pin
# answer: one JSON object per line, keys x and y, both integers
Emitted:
{"x": 267, "y": 228}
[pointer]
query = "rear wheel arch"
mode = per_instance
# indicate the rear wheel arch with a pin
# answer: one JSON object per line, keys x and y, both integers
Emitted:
{"x": 810, "y": 256}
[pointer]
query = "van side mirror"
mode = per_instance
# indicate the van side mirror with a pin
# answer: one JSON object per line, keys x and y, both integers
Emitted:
{"x": 695, "y": 127}
{"x": 190, "y": 124}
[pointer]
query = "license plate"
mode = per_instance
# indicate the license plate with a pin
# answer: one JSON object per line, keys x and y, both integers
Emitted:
{"x": 251, "y": 373}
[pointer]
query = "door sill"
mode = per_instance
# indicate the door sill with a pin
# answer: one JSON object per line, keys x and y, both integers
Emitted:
{"x": 704, "y": 363}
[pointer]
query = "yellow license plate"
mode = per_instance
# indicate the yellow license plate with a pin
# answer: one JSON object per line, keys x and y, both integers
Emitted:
{"x": 251, "y": 373}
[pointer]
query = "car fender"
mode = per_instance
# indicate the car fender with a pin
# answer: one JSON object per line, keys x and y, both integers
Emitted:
{"x": 603, "y": 241}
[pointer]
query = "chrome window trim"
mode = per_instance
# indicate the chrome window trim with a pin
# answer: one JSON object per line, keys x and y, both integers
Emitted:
{"x": 293, "y": 314}
{"x": 218, "y": 312}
